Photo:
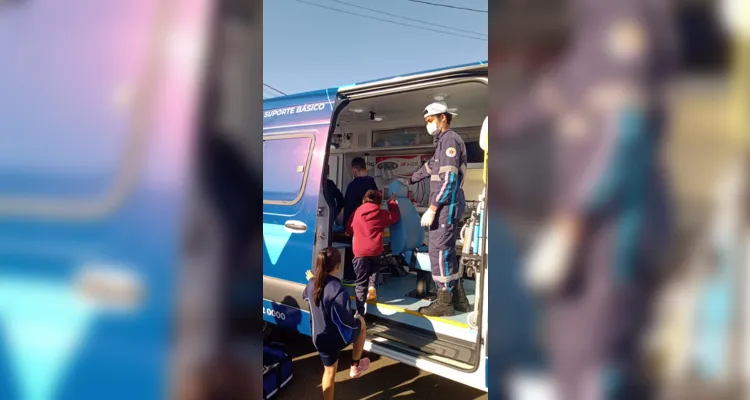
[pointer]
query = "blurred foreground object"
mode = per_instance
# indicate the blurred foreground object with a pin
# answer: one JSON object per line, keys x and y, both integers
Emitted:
{"x": 98, "y": 110}
{"x": 605, "y": 99}
{"x": 548, "y": 266}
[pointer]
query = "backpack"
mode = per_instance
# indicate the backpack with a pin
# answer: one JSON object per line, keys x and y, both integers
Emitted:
{"x": 277, "y": 369}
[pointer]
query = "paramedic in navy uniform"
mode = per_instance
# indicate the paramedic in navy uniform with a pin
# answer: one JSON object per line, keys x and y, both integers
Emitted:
{"x": 446, "y": 170}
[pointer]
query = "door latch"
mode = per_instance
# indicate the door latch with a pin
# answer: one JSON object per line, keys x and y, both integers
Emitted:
{"x": 321, "y": 210}
{"x": 295, "y": 226}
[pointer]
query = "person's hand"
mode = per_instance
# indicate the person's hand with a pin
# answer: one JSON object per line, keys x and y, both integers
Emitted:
{"x": 308, "y": 274}
{"x": 428, "y": 217}
{"x": 392, "y": 197}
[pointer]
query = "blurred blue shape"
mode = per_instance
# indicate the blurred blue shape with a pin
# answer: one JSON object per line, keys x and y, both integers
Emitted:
{"x": 44, "y": 323}
{"x": 275, "y": 238}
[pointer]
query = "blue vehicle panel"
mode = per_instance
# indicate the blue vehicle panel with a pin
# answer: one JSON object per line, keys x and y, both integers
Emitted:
{"x": 287, "y": 317}
{"x": 295, "y": 138}
{"x": 80, "y": 116}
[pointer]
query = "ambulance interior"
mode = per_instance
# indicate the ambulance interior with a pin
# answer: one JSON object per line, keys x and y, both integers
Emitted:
{"x": 389, "y": 133}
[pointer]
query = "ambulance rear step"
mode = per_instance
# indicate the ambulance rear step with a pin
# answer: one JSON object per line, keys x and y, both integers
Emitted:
{"x": 421, "y": 342}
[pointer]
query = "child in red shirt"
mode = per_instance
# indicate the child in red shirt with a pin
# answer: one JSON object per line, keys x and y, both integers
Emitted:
{"x": 367, "y": 225}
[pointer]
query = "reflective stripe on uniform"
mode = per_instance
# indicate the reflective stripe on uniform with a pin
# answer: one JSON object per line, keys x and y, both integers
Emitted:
{"x": 448, "y": 168}
{"x": 463, "y": 174}
{"x": 427, "y": 167}
{"x": 449, "y": 278}
{"x": 435, "y": 178}
{"x": 441, "y": 268}
{"x": 446, "y": 279}
{"x": 452, "y": 207}
{"x": 443, "y": 194}
{"x": 446, "y": 254}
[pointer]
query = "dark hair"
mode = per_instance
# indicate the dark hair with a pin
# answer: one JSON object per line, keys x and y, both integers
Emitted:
{"x": 327, "y": 260}
{"x": 359, "y": 163}
{"x": 372, "y": 196}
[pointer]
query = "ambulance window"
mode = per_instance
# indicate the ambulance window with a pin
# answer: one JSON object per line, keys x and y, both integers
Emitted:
{"x": 474, "y": 153}
{"x": 409, "y": 136}
{"x": 285, "y": 168}
{"x": 72, "y": 134}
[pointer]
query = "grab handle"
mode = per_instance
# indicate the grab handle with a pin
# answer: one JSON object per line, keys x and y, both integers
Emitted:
{"x": 295, "y": 226}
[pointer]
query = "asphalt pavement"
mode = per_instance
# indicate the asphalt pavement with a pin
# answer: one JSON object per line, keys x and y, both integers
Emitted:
{"x": 386, "y": 378}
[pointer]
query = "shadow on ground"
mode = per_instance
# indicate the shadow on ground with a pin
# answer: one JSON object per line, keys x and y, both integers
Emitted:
{"x": 386, "y": 379}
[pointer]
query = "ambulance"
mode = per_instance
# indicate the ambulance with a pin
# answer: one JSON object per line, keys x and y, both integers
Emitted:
{"x": 380, "y": 121}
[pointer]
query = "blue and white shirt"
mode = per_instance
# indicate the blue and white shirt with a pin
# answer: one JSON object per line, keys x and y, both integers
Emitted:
{"x": 334, "y": 325}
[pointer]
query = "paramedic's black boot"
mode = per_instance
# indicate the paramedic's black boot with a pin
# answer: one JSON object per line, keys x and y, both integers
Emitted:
{"x": 441, "y": 307}
{"x": 460, "y": 301}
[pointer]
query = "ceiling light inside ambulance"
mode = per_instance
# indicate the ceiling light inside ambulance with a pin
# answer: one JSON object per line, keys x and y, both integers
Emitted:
{"x": 453, "y": 110}
{"x": 439, "y": 97}
{"x": 356, "y": 110}
{"x": 378, "y": 119}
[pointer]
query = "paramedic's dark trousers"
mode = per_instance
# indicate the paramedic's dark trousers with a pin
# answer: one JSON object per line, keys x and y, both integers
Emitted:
{"x": 366, "y": 270}
{"x": 442, "y": 246}
{"x": 597, "y": 321}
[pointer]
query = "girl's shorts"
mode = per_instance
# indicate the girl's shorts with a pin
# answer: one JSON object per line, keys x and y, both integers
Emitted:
{"x": 331, "y": 356}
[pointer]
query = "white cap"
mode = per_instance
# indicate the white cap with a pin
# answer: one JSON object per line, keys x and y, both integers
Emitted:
{"x": 436, "y": 109}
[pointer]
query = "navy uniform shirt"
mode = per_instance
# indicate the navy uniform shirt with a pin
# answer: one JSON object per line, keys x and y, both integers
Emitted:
{"x": 446, "y": 170}
{"x": 355, "y": 192}
{"x": 333, "y": 323}
{"x": 335, "y": 197}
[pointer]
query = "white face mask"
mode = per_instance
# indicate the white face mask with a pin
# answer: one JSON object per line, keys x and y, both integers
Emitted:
{"x": 432, "y": 128}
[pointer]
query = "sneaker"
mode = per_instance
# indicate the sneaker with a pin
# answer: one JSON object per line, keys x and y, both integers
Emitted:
{"x": 372, "y": 295}
{"x": 355, "y": 372}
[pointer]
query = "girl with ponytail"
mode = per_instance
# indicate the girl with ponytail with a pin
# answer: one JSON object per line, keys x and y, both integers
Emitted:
{"x": 334, "y": 324}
